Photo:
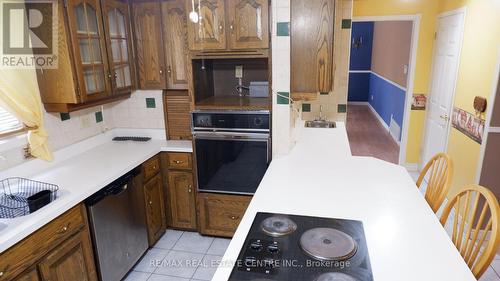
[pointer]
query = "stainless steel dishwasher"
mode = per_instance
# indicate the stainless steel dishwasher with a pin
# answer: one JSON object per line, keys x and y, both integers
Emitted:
{"x": 118, "y": 226}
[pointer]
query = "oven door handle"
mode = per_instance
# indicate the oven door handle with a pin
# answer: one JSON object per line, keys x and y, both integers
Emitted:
{"x": 230, "y": 136}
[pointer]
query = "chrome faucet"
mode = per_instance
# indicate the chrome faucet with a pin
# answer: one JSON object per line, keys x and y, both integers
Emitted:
{"x": 320, "y": 118}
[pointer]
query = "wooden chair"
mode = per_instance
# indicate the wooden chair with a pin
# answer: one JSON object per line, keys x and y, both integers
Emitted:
{"x": 441, "y": 173}
{"x": 476, "y": 217}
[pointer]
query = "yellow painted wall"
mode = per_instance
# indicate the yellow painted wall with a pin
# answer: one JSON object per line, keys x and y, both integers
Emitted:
{"x": 475, "y": 78}
{"x": 428, "y": 9}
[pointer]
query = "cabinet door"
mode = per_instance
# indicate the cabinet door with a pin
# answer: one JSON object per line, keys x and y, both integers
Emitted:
{"x": 155, "y": 209}
{"x": 29, "y": 275}
{"x": 221, "y": 214}
{"x": 149, "y": 45}
{"x": 88, "y": 40}
{"x": 175, "y": 29}
{"x": 311, "y": 46}
{"x": 248, "y": 26}
{"x": 182, "y": 199}
{"x": 117, "y": 24}
{"x": 209, "y": 32}
{"x": 178, "y": 117}
{"x": 72, "y": 260}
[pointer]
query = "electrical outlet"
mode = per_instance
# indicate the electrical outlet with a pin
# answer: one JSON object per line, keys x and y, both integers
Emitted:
{"x": 85, "y": 121}
{"x": 239, "y": 71}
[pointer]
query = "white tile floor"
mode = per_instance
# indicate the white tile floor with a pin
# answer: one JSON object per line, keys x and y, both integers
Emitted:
{"x": 187, "y": 256}
{"x": 180, "y": 256}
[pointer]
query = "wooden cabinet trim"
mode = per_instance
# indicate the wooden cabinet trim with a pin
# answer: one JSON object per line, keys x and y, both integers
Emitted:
{"x": 151, "y": 167}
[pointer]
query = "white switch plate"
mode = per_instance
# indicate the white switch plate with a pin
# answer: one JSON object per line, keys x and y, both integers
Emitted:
{"x": 239, "y": 71}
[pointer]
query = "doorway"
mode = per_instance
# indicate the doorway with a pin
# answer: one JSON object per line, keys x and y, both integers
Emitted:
{"x": 445, "y": 66}
{"x": 381, "y": 75}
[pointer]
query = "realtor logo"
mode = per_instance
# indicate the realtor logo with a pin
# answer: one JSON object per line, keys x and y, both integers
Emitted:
{"x": 29, "y": 34}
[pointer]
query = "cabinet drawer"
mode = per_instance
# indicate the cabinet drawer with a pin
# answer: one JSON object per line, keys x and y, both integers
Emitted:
{"x": 180, "y": 161}
{"x": 151, "y": 167}
{"x": 21, "y": 256}
{"x": 220, "y": 215}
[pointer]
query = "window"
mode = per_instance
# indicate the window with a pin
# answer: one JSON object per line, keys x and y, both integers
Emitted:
{"x": 9, "y": 123}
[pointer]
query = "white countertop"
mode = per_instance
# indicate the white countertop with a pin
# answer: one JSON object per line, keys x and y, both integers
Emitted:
{"x": 80, "y": 170}
{"x": 320, "y": 178}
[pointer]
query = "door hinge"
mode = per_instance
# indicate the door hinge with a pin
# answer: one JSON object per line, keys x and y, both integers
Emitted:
{"x": 78, "y": 93}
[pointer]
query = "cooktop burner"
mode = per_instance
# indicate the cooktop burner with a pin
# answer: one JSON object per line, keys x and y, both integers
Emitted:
{"x": 328, "y": 244}
{"x": 335, "y": 276}
{"x": 278, "y": 225}
{"x": 282, "y": 247}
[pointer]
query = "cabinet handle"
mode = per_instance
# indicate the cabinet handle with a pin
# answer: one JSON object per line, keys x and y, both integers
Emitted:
{"x": 169, "y": 70}
{"x": 154, "y": 167}
{"x": 221, "y": 28}
{"x": 1, "y": 273}
{"x": 232, "y": 27}
{"x": 63, "y": 229}
{"x": 161, "y": 72}
{"x": 190, "y": 190}
{"x": 178, "y": 162}
{"x": 150, "y": 203}
{"x": 234, "y": 217}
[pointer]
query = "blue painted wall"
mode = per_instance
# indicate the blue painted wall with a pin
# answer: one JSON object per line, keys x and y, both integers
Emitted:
{"x": 361, "y": 59}
{"x": 387, "y": 100}
{"x": 359, "y": 86}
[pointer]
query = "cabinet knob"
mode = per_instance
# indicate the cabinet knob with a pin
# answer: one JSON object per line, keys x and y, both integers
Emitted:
{"x": 150, "y": 203}
{"x": 1, "y": 273}
{"x": 178, "y": 162}
{"x": 169, "y": 69}
{"x": 234, "y": 217}
{"x": 63, "y": 229}
{"x": 190, "y": 190}
{"x": 161, "y": 72}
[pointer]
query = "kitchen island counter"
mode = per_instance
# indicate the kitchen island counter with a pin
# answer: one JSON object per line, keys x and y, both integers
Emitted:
{"x": 320, "y": 178}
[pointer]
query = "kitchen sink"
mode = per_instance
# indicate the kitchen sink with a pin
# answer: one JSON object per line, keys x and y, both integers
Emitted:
{"x": 320, "y": 124}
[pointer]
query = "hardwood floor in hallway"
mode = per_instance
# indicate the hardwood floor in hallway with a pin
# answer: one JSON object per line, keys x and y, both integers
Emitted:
{"x": 367, "y": 137}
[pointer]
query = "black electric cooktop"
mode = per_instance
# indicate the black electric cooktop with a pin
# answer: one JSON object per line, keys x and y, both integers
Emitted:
{"x": 283, "y": 247}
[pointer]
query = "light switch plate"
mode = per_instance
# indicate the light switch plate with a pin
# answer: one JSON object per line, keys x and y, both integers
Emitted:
{"x": 239, "y": 71}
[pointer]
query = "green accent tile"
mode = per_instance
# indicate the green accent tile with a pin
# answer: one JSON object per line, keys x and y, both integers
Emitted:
{"x": 98, "y": 117}
{"x": 342, "y": 108}
{"x": 306, "y": 107}
{"x": 150, "y": 103}
{"x": 281, "y": 98}
{"x": 324, "y": 93}
{"x": 283, "y": 29}
{"x": 346, "y": 23}
{"x": 65, "y": 116}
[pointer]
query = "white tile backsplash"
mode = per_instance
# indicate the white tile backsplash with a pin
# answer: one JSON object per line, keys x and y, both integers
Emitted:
{"x": 129, "y": 113}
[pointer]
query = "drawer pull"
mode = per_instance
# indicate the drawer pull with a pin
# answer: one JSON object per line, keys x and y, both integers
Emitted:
{"x": 234, "y": 217}
{"x": 178, "y": 162}
{"x": 150, "y": 203}
{"x": 154, "y": 167}
{"x": 1, "y": 273}
{"x": 190, "y": 190}
{"x": 63, "y": 229}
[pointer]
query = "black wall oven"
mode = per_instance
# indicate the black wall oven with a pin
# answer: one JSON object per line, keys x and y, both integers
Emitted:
{"x": 232, "y": 150}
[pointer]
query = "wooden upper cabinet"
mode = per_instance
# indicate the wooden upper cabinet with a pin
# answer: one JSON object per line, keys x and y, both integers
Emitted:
{"x": 175, "y": 33}
{"x": 248, "y": 24}
{"x": 182, "y": 199}
{"x": 149, "y": 45}
{"x": 72, "y": 260}
{"x": 312, "y": 46}
{"x": 89, "y": 47}
{"x": 209, "y": 32}
{"x": 119, "y": 43}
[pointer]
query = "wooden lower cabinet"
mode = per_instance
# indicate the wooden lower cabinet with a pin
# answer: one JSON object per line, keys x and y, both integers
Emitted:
{"x": 220, "y": 214}
{"x": 60, "y": 250}
{"x": 181, "y": 197}
{"x": 72, "y": 260}
{"x": 155, "y": 209}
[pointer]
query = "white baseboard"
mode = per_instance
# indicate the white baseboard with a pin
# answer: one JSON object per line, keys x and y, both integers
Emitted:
{"x": 379, "y": 118}
{"x": 358, "y": 103}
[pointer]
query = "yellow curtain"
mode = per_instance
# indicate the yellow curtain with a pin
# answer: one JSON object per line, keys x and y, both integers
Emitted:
{"x": 19, "y": 95}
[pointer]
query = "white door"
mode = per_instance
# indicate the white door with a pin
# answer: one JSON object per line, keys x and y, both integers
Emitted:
{"x": 444, "y": 77}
